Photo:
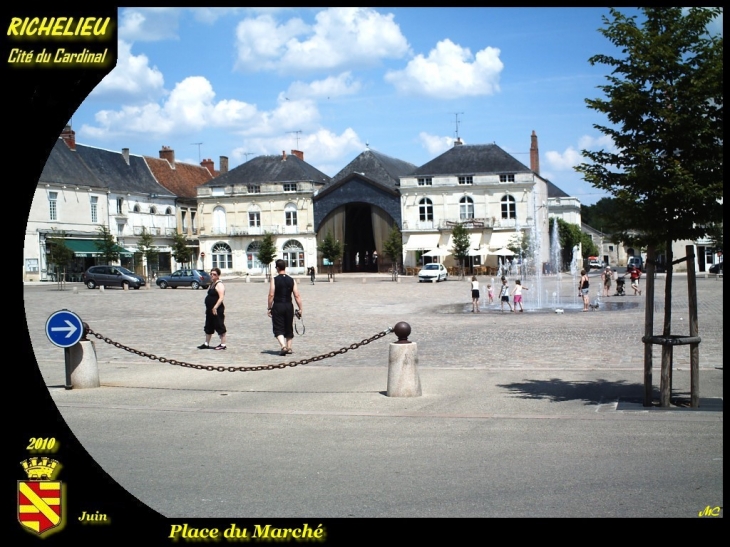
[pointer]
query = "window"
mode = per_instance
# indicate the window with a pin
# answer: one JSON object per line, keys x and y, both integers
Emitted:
{"x": 254, "y": 219}
{"x": 94, "y": 204}
{"x": 290, "y": 214}
{"x": 52, "y": 205}
{"x": 222, "y": 256}
{"x": 252, "y": 256}
{"x": 219, "y": 220}
{"x": 254, "y": 188}
{"x": 193, "y": 222}
{"x": 184, "y": 220}
{"x": 509, "y": 209}
{"x": 168, "y": 211}
{"x": 290, "y": 186}
{"x": 120, "y": 228}
{"x": 466, "y": 180}
{"x": 136, "y": 208}
{"x": 507, "y": 177}
{"x": 466, "y": 208}
{"x": 425, "y": 181}
{"x": 294, "y": 254}
{"x": 153, "y": 210}
{"x": 425, "y": 210}
{"x": 120, "y": 203}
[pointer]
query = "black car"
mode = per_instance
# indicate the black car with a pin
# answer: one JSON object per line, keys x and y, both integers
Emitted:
{"x": 716, "y": 268}
{"x": 184, "y": 278}
{"x": 111, "y": 276}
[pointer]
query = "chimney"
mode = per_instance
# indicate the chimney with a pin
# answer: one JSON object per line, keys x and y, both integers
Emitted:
{"x": 458, "y": 141}
{"x": 208, "y": 164}
{"x": 224, "y": 164}
{"x": 69, "y": 137}
{"x": 283, "y": 155}
{"x": 168, "y": 154}
{"x": 298, "y": 153}
{"x": 125, "y": 155}
{"x": 534, "y": 156}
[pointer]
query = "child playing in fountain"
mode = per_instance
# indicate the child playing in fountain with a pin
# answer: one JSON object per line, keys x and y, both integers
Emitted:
{"x": 517, "y": 294}
{"x": 504, "y": 295}
{"x": 490, "y": 292}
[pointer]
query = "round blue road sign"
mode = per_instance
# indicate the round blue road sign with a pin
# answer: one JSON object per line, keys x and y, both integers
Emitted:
{"x": 64, "y": 328}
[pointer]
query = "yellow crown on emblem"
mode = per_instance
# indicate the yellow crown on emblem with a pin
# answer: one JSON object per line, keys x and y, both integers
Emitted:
{"x": 39, "y": 468}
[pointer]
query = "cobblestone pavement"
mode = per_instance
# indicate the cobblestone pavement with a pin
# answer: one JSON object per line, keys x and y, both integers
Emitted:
{"x": 168, "y": 323}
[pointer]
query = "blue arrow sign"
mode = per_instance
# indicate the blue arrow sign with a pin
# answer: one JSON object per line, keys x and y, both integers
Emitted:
{"x": 64, "y": 328}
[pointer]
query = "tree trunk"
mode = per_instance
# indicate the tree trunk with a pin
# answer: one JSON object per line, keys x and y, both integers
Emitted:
{"x": 666, "y": 373}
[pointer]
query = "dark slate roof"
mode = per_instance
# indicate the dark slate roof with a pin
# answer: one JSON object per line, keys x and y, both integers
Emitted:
{"x": 471, "y": 159}
{"x": 376, "y": 167}
{"x": 111, "y": 168}
{"x": 183, "y": 180}
{"x": 262, "y": 169}
{"x": 554, "y": 191}
{"x": 64, "y": 166}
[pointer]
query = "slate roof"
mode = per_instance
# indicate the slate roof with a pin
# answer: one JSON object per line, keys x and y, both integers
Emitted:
{"x": 377, "y": 167}
{"x": 471, "y": 159}
{"x": 262, "y": 169}
{"x": 183, "y": 180}
{"x": 111, "y": 168}
{"x": 64, "y": 166}
{"x": 554, "y": 191}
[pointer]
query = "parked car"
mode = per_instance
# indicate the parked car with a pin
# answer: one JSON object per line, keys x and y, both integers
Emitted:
{"x": 433, "y": 272}
{"x": 635, "y": 261}
{"x": 595, "y": 263}
{"x": 184, "y": 278}
{"x": 111, "y": 276}
{"x": 716, "y": 268}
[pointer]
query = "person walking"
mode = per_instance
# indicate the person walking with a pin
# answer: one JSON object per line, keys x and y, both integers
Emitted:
{"x": 607, "y": 277}
{"x": 280, "y": 307}
{"x": 517, "y": 295}
{"x": 311, "y": 274}
{"x": 474, "y": 294}
{"x": 583, "y": 289}
{"x": 215, "y": 312}
{"x": 635, "y": 275}
{"x": 504, "y": 295}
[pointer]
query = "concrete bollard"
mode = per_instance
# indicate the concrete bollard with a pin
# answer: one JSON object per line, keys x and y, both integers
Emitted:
{"x": 248, "y": 279}
{"x": 101, "y": 288}
{"x": 403, "y": 379}
{"x": 82, "y": 370}
{"x": 126, "y": 286}
{"x": 76, "y": 290}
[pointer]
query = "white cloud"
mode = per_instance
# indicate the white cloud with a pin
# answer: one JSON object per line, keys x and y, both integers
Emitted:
{"x": 131, "y": 80}
{"x": 189, "y": 107}
{"x": 434, "y": 144}
{"x": 449, "y": 71}
{"x": 571, "y": 157}
{"x": 149, "y": 24}
{"x": 334, "y": 86}
{"x": 341, "y": 38}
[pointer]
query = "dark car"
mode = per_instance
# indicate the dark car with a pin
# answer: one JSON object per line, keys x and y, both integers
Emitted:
{"x": 111, "y": 276}
{"x": 184, "y": 278}
{"x": 716, "y": 268}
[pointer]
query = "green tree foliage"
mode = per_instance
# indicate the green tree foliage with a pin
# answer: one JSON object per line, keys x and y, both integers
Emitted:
{"x": 393, "y": 248}
{"x": 180, "y": 250}
{"x": 107, "y": 245}
{"x": 59, "y": 255}
{"x": 331, "y": 250}
{"x": 267, "y": 252}
{"x": 144, "y": 244}
{"x": 569, "y": 236}
{"x": 460, "y": 249}
{"x": 664, "y": 105}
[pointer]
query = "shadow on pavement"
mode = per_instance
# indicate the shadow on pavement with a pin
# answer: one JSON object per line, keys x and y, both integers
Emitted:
{"x": 591, "y": 392}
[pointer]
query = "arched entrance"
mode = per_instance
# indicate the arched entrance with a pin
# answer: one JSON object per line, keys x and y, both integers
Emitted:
{"x": 363, "y": 228}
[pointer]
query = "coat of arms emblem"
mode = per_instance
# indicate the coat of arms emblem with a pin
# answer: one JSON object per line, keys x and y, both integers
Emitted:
{"x": 41, "y": 498}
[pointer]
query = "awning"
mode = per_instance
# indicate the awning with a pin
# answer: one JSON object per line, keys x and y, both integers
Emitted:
{"x": 500, "y": 239}
{"x": 475, "y": 244}
{"x": 86, "y": 248}
{"x": 421, "y": 242}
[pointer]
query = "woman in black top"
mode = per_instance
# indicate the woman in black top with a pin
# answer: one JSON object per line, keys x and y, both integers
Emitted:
{"x": 281, "y": 310}
{"x": 215, "y": 312}
{"x": 583, "y": 285}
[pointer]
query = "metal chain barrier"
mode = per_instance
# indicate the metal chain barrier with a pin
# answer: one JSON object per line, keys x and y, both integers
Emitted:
{"x": 340, "y": 351}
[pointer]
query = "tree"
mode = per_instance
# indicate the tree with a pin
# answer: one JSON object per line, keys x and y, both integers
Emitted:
{"x": 148, "y": 251}
{"x": 107, "y": 245}
{"x": 331, "y": 250}
{"x": 180, "y": 250}
{"x": 571, "y": 236}
{"x": 462, "y": 242}
{"x": 59, "y": 255}
{"x": 267, "y": 252}
{"x": 664, "y": 103}
{"x": 393, "y": 248}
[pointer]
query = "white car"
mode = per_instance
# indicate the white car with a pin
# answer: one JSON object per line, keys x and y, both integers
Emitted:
{"x": 433, "y": 272}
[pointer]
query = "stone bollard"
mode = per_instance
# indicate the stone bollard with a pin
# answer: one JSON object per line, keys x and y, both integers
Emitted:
{"x": 101, "y": 288}
{"x": 403, "y": 380}
{"x": 248, "y": 279}
{"x": 82, "y": 370}
{"x": 76, "y": 290}
{"x": 126, "y": 286}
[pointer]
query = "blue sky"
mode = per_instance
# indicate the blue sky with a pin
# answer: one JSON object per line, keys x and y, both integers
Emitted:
{"x": 333, "y": 81}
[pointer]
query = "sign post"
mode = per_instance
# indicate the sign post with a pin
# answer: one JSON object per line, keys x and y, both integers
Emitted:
{"x": 66, "y": 330}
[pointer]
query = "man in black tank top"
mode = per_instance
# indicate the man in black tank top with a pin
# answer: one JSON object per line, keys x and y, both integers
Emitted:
{"x": 280, "y": 307}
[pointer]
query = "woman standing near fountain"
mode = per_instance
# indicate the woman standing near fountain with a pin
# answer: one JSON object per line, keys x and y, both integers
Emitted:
{"x": 583, "y": 288}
